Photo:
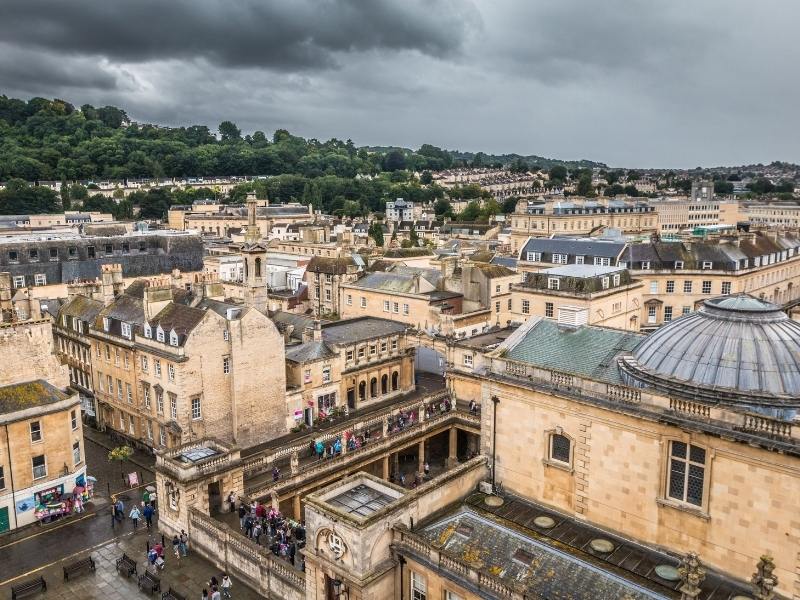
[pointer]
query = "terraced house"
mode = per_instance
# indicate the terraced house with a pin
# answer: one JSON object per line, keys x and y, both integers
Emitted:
{"x": 170, "y": 364}
{"x": 679, "y": 275}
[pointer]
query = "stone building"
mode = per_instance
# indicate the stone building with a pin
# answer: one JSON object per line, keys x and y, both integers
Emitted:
{"x": 325, "y": 275}
{"x": 348, "y": 365}
{"x": 579, "y": 294}
{"x": 679, "y": 275}
{"x": 683, "y": 441}
{"x": 581, "y": 217}
{"x": 46, "y": 259}
{"x": 542, "y": 253}
{"x": 170, "y": 364}
{"x": 41, "y": 449}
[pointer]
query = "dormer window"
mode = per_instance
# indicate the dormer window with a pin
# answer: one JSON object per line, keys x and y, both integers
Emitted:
{"x": 707, "y": 264}
{"x": 645, "y": 264}
{"x": 173, "y": 338}
{"x": 553, "y": 283}
{"x": 126, "y": 330}
{"x": 106, "y": 323}
{"x": 678, "y": 264}
{"x": 148, "y": 331}
{"x": 160, "y": 334}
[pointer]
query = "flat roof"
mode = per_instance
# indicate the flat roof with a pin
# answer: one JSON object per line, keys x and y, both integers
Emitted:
{"x": 361, "y": 500}
{"x": 582, "y": 270}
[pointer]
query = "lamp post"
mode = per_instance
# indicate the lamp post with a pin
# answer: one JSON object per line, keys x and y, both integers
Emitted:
{"x": 495, "y": 402}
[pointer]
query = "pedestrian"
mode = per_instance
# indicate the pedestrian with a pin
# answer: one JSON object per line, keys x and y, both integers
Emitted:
{"x": 212, "y": 583}
{"x": 135, "y": 514}
{"x": 176, "y": 547}
{"x": 146, "y": 497}
{"x": 205, "y": 594}
{"x": 242, "y": 515}
{"x": 227, "y": 584}
{"x": 232, "y": 501}
{"x": 120, "y": 510}
{"x": 473, "y": 407}
{"x": 427, "y": 468}
{"x": 276, "y": 473}
{"x": 184, "y": 545}
{"x": 148, "y": 511}
{"x": 215, "y": 594}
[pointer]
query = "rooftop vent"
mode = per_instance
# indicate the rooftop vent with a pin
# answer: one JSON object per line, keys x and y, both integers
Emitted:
{"x": 572, "y": 317}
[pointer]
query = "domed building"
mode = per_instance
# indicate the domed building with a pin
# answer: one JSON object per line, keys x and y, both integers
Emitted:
{"x": 735, "y": 350}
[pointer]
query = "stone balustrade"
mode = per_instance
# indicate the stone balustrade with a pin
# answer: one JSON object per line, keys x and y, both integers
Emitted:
{"x": 646, "y": 399}
{"x": 487, "y": 585}
{"x": 373, "y": 449}
{"x": 254, "y": 565}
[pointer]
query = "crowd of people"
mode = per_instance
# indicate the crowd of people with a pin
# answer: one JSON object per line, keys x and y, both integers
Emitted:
{"x": 269, "y": 528}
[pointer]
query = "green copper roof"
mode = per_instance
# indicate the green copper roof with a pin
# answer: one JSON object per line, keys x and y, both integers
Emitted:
{"x": 586, "y": 351}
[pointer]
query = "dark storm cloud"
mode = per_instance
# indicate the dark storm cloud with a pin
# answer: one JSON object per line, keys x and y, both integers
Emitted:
{"x": 628, "y": 82}
{"x": 289, "y": 35}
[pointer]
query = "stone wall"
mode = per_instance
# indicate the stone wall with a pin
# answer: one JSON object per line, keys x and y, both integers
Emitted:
{"x": 27, "y": 352}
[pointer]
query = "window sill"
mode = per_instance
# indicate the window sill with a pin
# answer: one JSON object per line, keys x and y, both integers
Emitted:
{"x": 691, "y": 509}
{"x": 558, "y": 465}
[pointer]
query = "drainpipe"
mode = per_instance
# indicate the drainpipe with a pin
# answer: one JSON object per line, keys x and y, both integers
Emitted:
{"x": 11, "y": 477}
{"x": 495, "y": 401}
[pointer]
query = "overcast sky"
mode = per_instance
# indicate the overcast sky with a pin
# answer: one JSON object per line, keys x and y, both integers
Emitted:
{"x": 638, "y": 83}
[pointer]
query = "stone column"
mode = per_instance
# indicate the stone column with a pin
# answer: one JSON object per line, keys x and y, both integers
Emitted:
{"x": 396, "y": 463}
{"x": 294, "y": 463}
{"x": 421, "y": 458}
{"x": 385, "y": 463}
{"x": 298, "y": 515}
{"x": 452, "y": 449}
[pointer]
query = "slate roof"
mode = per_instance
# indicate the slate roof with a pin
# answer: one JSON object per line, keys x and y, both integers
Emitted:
{"x": 84, "y": 308}
{"x": 494, "y": 271}
{"x": 309, "y": 352}
{"x": 506, "y": 261}
{"x": 282, "y": 319}
{"x": 178, "y": 317}
{"x": 387, "y": 282}
{"x": 361, "y": 328}
{"x": 628, "y": 564}
{"x": 587, "y": 351}
{"x": 739, "y": 346}
{"x": 20, "y": 396}
{"x": 573, "y": 246}
{"x": 332, "y": 266}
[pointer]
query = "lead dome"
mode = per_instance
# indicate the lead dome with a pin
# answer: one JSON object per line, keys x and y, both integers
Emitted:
{"x": 734, "y": 349}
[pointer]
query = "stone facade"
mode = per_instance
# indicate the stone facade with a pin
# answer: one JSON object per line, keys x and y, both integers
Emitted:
{"x": 41, "y": 448}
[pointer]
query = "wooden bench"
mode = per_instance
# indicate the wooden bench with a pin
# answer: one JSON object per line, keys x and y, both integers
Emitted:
{"x": 149, "y": 583}
{"x": 126, "y": 565}
{"x": 85, "y": 564}
{"x": 26, "y": 588}
{"x": 172, "y": 595}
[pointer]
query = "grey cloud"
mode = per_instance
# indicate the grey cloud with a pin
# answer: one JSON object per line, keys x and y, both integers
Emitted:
{"x": 299, "y": 34}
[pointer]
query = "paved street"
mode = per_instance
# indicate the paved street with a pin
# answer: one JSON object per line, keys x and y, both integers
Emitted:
{"x": 58, "y": 547}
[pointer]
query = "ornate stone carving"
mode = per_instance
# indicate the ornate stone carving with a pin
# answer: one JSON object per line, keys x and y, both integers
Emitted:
{"x": 764, "y": 580}
{"x": 692, "y": 575}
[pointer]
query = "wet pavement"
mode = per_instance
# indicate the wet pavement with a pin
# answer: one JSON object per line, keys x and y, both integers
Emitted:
{"x": 53, "y": 550}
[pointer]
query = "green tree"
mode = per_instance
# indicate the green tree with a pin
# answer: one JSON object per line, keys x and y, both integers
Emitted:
{"x": 558, "y": 173}
{"x": 443, "y": 208}
{"x": 229, "y": 132}
{"x": 584, "y": 187}
{"x": 723, "y": 187}
{"x": 510, "y": 205}
{"x": 426, "y": 178}
{"x": 376, "y": 233}
{"x": 471, "y": 213}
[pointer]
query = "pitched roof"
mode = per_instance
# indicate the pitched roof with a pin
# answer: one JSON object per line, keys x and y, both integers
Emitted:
{"x": 573, "y": 246}
{"x": 333, "y": 266}
{"x": 309, "y": 352}
{"x": 587, "y": 351}
{"x": 29, "y": 394}
{"x": 84, "y": 308}
{"x": 178, "y": 317}
{"x": 361, "y": 328}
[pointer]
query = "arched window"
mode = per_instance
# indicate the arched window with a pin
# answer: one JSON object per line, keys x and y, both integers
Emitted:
{"x": 362, "y": 390}
{"x": 384, "y": 384}
{"x": 395, "y": 380}
{"x": 560, "y": 448}
{"x": 373, "y": 387}
{"x": 258, "y": 267}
